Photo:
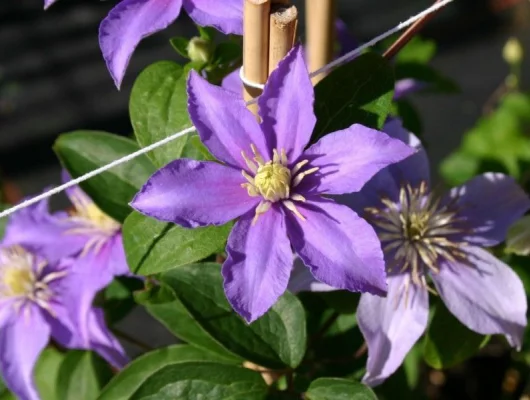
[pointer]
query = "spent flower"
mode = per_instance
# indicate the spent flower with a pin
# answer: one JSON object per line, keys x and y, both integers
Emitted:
{"x": 435, "y": 244}
{"x": 275, "y": 186}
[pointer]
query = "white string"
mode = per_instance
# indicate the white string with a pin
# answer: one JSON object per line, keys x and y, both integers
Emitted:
{"x": 339, "y": 61}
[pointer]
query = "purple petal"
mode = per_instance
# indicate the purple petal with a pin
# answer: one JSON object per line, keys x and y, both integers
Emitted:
{"x": 387, "y": 182}
{"x": 391, "y": 326}
{"x": 103, "y": 341}
{"x": 223, "y": 122}
{"x": 127, "y": 24}
{"x": 23, "y": 336}
{"x": 42, "y": 233}
{"x": 225, "y": 15}
{"x": 484, "y": 294}
{"x": 233, "y": 83}
{"x": 75, "y": 193}
{"x": 286, "y": 105}
{"x": 302, "y": 280}
{"x": 117, "y": 264}
{"x": 490, "y": 204}
{"x": 259, "y": 263}
{"x": 48, "y": 3}
{"x": 349, "y": 158}
{"x": 193, "y": 193}
{"x": 340, "y": 248}
{"x": 407, "y": 86}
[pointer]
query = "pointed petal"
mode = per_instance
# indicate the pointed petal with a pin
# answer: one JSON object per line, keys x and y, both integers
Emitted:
{"x": 48, "y": 3}
{"x": 302, "y": 280}
{"x": 349, "y": 158}
{"x": 44, "y": 234}
{"x": 225, "y": 15}
{"x": 484, "y": 294}
{"x": 233, "y": 83}
{"x": 259, "y": 263}
{"x": 223, "y": 122}
{"x": 340, "y": 248}
{"x": 22, "y": 338}
{"x": 103, "y": 341}
{"x": 117, "y": 264}
{"x": 286, "y": 105}
{"x": 194, "y": 193}
{"x": 490, "y": 204}
{"x": 127, "y": 24}
{"x": 407, "y": 86}
{"x": 387, "y": 182}
{"x": 391, "y": 326}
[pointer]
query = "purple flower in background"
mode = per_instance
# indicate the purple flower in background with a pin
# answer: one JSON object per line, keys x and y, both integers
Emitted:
{"x": 86, "y": 232}
{"x": 132, "y": 20}
{"x": 39, "y": 300}
{"x": 275, "y": 187}
{"x": 439, "y": 238}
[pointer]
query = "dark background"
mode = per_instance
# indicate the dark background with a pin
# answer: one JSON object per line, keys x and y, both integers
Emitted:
{"x": 53, "y": 80}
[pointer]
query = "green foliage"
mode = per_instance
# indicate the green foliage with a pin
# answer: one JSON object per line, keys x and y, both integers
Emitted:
{"x": 128, "y": 381}
{"x": 82, "y": 375}
{"x": 518, "y": 237}
{"x": 159, "y": 107}
{"x": 81, "y": 152}
{"x": 118, "y": 299}
{"x": 338, "y": 389}
{"x": 193, "y": 380}
{"x": 358, "y": 92}
{"x": 448, "y": 342}
{"x": 46, "y": 373}
{"x": 276, "y": 340}
{"x": 497, "y": 143}
{"x": 152, "y": 246}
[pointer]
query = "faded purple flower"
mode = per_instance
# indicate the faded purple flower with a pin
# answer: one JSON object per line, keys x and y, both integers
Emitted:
{"x": 426, "y": 238}
{"x": 275, "y": 188}
{"x": 39, "y": 300}
{"x": 86, "y": 232}
{"x": 132, "y": 20}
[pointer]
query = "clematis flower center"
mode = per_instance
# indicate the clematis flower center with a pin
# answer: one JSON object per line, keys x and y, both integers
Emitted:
{"x": 417, "y": 230}
{"x": 22, "y": 278}
{"x": 274, "y": 181}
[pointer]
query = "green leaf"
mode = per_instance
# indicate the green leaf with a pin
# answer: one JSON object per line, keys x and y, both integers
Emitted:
{"x": 118, "y": 298}
{"x": 518, "y": 237}
{"x": 82, "y": 374}
{"x": 410, "y": 117}
{"x": 418, "y": 50}
{"x": 358, "y": 92}
{"x": 338, "y": 389}
{"x": 153, "y": 246}
{"x": 123, "y": 385}
{"x": 164, "y": 305}
{"x": 426, "y": 74}
{"x": 180, "y": 44}
{"x": 448, "y": 342}
{"x": 159, "y": 107}
{"x": 196, "y": 380}
{"x": 227, "y": 53}
{"x": 84, "y": 151}
{"x": 3, "y": 221}
{"x": 207, "y": 32}
{"x": 196, "y": 150}
{"x": 276, "y": 340}
{"x": 46, "y": 373}
{"x": 458, "y": 168}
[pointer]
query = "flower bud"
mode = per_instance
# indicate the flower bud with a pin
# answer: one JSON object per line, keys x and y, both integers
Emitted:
{"x": 200, "y": 50}
{"x": 513, "y": 51}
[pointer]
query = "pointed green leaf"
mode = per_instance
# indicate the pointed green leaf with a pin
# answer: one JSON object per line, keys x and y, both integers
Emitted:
{"x": 153, "y": 246}
{"x": 518, "y": 238}
{"x": 81, "y": 152}
{"x": 130, "y": 379}
{"x": 159, "y": 108}
{"x": 338, "y": 389}
{"x": 46, "y": 373}
{"x": 358, "y": 92}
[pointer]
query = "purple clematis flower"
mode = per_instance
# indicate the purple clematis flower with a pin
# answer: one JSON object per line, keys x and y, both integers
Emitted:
{"x": 424, "y": 238}
{"x": 132, "y": 20}
{"x": 275, "y": 188}
{"x": 86, "y": 232}
{"x": 39, "y": 301}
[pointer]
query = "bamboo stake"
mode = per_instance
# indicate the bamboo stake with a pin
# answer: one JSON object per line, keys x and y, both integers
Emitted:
{"x": 283, "y": 24}
{"x": 255, "y": 47}
{"x": 320, "y": 34}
